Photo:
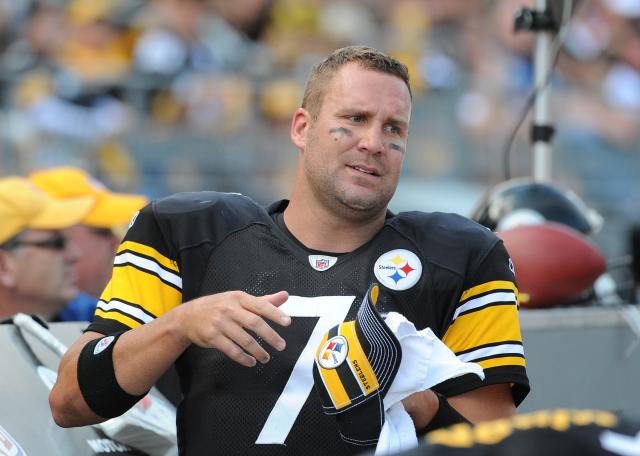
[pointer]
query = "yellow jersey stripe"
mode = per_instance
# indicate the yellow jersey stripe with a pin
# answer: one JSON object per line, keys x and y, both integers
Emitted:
{"x": 130, "y": 322}
{"x": 489, "y": 325}
{"x": 127, "y": 308}
{"x": 148, "y": 265}
{"x": 503, "y": 361}
{"x": 132, "y": 285}
{"x": 508, "y": 348}
{"x": 488, "y": 286}
{"x": 492, "y": 299}
{"x": 149, "y": 252}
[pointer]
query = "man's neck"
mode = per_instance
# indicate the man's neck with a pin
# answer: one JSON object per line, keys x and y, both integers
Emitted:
{"x": 318, "y": 228}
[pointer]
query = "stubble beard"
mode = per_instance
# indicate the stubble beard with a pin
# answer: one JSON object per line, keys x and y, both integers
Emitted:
{"x": 360, "y": 208}
{"x": 341, "y": 200}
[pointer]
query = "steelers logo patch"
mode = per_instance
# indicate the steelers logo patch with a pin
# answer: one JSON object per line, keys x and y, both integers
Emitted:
{"x": 398, "y": 269}
{"x": 333, "y": 352}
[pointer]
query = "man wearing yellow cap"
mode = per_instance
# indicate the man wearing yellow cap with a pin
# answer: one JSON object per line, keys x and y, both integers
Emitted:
{"x": 36, "y": 259}
{"x": 98, "y": 235}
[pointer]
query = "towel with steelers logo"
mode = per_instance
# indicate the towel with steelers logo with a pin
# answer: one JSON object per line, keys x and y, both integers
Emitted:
{"x": 354, "y": 367}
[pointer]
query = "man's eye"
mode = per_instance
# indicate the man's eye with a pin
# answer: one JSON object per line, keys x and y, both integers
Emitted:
{"x": 393, "y": 129}
{"x": 356, "y": 118}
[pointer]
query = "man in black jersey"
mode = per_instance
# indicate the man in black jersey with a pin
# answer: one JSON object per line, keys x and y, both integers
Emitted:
{"x": 239, "y": 296}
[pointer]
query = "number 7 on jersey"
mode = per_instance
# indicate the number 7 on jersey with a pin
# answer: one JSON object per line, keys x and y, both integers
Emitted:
{"x": 332, "y": 310}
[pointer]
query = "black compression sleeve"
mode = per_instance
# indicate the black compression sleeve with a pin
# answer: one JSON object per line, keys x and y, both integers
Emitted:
{"x": 97, "y": 379}
{"x": 445, "y": 416}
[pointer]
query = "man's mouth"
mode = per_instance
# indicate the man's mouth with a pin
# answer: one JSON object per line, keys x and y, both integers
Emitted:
{"x": 369, "y": 171}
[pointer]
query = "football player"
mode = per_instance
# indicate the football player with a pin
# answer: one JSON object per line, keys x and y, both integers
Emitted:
{"x": 238, "y": 296}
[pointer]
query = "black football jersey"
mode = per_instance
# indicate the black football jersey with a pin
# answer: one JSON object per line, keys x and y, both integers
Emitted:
{"x": 441, "y": 271}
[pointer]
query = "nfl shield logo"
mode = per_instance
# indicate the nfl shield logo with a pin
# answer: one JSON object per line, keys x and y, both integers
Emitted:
{"x": 322, "y": 262}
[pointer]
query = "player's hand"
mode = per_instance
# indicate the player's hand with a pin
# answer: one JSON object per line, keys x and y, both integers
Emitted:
{"x": 223, "y": 321}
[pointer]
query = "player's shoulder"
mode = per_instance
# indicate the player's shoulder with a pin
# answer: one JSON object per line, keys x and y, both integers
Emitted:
{"x": 204, "y": 202}
{"x": 206, "y": 207}
{"x": 443, "y": 229}
{"x": 190, "y": 218}
{"x": 445, "y": 240}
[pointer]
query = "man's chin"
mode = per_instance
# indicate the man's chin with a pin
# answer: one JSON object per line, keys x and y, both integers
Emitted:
{"x": 363, "y": 207}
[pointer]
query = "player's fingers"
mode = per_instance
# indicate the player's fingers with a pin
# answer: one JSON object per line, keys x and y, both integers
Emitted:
{"x": 242, "y": 338}
{"x": 233, "y": 351}
{"x": 254, "y": 323}
{"x": 267, "y": 306}
{"x": 277, "y": 299}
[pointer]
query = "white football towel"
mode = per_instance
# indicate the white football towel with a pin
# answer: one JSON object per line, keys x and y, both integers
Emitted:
{"x": 426, "y": 361}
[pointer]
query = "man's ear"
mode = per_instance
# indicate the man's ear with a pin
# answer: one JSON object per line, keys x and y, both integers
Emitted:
{"x": 300, "y": 128}
{"x": 7, "y": 269}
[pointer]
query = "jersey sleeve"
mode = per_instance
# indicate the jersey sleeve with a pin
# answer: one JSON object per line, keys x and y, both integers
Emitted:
{"x": 145, "y": 281}
{"x": 485, "y": 328}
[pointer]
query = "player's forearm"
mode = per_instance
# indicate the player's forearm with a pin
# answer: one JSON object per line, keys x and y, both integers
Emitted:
{"x": 486, "y": 403}
{"x": 68, "y": 407}
{"x": 140, "y": 357}
{"x": 430, "y": 411}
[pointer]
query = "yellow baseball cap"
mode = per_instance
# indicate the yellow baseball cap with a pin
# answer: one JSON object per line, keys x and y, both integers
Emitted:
{"x": 23, "y": 206}
{"x": 111, "y": 209}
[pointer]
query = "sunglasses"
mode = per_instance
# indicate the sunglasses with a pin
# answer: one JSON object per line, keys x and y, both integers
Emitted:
{"x": 58, "y": 242}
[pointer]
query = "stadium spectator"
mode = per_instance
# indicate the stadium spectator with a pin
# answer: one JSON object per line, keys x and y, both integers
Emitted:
{"x": 36, "y": 258}
{"x": 201, "y": 273}
{"x": 98, "y": 235}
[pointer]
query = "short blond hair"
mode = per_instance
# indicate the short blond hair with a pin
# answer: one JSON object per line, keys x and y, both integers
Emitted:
{"x": 367, "y": 57}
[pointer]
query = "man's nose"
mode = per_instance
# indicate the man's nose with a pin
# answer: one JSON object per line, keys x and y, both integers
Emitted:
{"x": 372, "y": 140}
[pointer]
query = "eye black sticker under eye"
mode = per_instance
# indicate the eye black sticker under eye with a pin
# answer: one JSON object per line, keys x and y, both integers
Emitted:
{"x": 341, "y": 131}
{"x": 397, "y": 147}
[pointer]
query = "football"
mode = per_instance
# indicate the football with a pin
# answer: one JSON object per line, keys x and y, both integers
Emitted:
{"x": 554, "y": 264}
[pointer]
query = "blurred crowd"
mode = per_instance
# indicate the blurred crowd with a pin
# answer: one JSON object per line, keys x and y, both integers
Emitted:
{"x": 159, "y": 96}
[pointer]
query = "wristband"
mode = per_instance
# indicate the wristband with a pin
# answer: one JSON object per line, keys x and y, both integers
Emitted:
{"x": 97, "y": 379}
{"x": 445, "y": 416}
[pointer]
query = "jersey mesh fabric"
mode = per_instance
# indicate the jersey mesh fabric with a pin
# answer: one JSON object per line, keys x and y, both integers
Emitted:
{"x": 228, "y": 404}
